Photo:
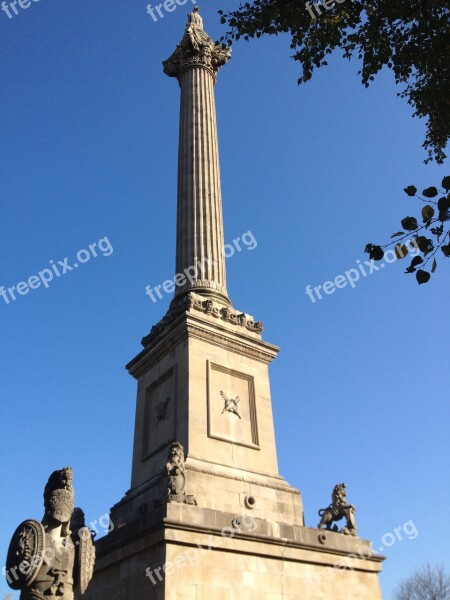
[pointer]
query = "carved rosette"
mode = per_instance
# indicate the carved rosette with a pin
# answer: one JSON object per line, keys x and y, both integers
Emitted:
{"x": 196, "y": 49}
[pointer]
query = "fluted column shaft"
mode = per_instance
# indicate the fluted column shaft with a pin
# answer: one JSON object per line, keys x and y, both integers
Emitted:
{"x": 200, "y": 262}
{"x": 200, "y": 239}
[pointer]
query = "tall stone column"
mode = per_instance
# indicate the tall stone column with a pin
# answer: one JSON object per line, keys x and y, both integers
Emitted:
{"x": 200, "y": 240}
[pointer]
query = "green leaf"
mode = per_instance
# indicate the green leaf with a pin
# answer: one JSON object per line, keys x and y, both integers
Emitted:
{"x": 446, "y": 183}
{"x": 430, "y": 192}
{"x": 410, "y": 190}
{"x": 433, "y": 268}
{"x": 417, "y": 260}
{"x": 422, "y": 276}
{"x": 410, "y": 223}
{"x": 397, "y": 234}
{"x": 446, "y": 250}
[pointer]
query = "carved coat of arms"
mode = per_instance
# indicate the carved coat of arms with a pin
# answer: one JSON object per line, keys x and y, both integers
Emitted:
{"x": 231, "y": 404}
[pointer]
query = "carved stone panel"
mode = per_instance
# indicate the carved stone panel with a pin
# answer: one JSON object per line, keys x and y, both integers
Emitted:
{"x": 159, "y": 415}
{"x": 232, "y": 406}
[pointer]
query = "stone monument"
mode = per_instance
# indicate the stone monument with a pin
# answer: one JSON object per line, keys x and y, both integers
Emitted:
{"x": 208, "y": 515}
{"x": 48, "y": 560}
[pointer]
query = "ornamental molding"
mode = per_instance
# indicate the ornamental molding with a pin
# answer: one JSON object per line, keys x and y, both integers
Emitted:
{"x": 250, "y": 480}
{"x": 195, "y": 317}
{"x": 232, "y": 345}
{"x": 185, "y": 329}
{"x": 224, "y": 313}
{"x": 192, "y": 303}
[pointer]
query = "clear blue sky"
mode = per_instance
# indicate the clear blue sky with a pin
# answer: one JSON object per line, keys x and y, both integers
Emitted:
{"x": 89, "y": 149}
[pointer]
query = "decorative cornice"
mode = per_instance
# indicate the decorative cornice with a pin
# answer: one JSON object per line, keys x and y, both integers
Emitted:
{"x": 214, "y": 309}
{"x": 191, "y": 324}
{"x": 195, "y": 302}
{"x": 160, "y": 347}
{"x": 170, "y": 317}
{"x": 229, "y": 344}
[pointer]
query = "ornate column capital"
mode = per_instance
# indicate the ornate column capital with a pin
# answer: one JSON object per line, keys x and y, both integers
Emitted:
{"x": 196, "y": 49}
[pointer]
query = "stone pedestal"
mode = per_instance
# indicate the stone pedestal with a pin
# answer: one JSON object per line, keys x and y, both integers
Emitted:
{"x": 182, "y": 552}
{"x": 237, "y": 531}
{"x": 204, "y": 383}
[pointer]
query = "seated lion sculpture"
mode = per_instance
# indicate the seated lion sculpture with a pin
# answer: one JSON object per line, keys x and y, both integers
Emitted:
{"x": 337, "y": 510}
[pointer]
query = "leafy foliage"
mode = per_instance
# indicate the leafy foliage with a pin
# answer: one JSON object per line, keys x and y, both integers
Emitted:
{"x": 428, "y": 583}
{"x": 410, "y": 37}
{"x": 435, "y": 222}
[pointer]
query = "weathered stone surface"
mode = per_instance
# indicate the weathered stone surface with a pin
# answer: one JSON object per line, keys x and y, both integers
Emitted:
{"x": 188, "y": 552}
{"x": 46, "y": 560}
{"x": 192, "y": 303}
{"x": 193, "y": 373}
{"x": 216, "y": 520}
{"x": 337, "y": 510}
{"x": 200, "y": 240}
{"x": 196, "y": 49}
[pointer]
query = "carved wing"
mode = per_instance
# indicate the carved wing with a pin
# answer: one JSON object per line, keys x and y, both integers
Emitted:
{"x": 227, "y": 401}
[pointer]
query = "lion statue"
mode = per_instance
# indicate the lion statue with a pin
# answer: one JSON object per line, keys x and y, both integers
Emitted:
{"x": 337, "y": 510}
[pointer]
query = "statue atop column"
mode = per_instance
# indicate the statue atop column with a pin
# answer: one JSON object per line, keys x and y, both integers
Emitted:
{"x": 46, "y": 560}
{"x": 196, "y": 48}
{"x": 195, "y": 35}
